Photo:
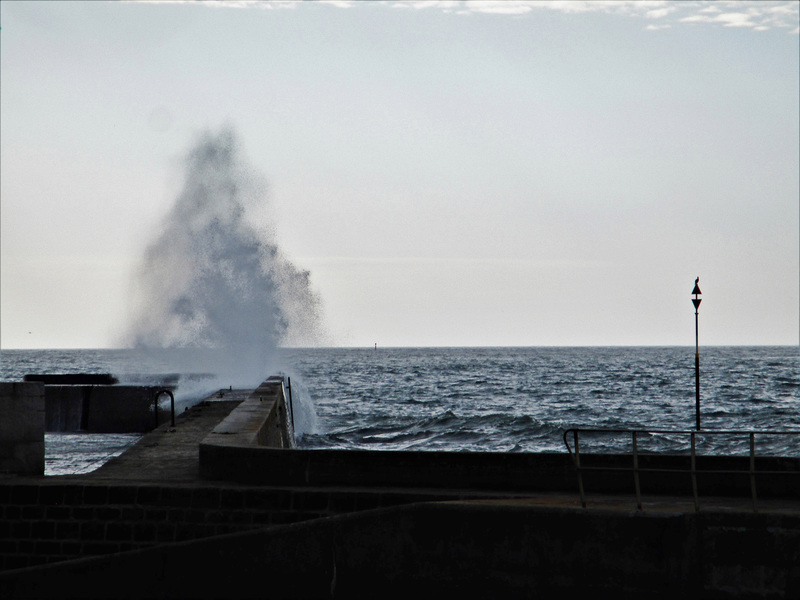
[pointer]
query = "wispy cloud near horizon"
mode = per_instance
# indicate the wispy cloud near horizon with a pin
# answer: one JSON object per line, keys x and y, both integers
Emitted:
{"x": 758, "y": 16}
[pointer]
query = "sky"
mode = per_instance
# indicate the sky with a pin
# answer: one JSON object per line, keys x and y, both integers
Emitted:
{"x": 449, "y": 173}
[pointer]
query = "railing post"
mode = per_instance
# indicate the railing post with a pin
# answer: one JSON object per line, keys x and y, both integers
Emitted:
{"x": 578, "y": 468}
{"x": 694, "y": 473}
{"x": 636, "y": 472}
{"x": 753, "y": 469}
{"x": 291, "y": 404}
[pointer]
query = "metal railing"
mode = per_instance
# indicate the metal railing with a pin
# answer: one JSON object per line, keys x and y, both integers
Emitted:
{"x": 693, "y": 471}
{"x": 171, "y": 402}
{"x": 291, "y": 403}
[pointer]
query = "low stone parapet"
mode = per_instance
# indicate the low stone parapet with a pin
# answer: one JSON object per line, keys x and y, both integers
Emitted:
{"x": 469, "y": 549}
{"x": 775, "y": 477}
{"x": 22, "y": 425}
{"x": 261, "y": 421}
{"x": 102, "y": 408}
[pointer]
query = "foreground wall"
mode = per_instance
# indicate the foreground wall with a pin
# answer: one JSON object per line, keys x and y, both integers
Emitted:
{"x": 470, "y": 549}
{"x": 55, "y": 520}
{"x": 22, "y": 420}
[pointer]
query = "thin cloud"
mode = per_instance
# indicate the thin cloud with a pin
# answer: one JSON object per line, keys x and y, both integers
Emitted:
{"x": 338, "y": 3}
{"x": 756, "y": 15}
{"x": 759, "y": 16}
{"x": 445, "y": 5}
{"x": 660, "y": 12}
{"x": 725, "y": 19}
{"x": 509, "y": 7}
{"x": 233, "y": 4}
{"x": 736, "y": 20}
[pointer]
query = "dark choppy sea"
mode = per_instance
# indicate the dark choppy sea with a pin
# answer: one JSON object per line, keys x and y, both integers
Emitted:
{"x": 497, "y": 399}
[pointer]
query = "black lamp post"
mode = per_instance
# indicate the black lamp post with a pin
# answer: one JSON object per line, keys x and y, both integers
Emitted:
{"x": 696, "y": 301}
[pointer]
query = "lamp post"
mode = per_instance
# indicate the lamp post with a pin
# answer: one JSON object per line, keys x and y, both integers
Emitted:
{"x": 696, "y": 301}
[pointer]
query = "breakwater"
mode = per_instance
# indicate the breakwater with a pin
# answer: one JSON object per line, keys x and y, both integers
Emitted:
{"x": 317, "y": 523}
{"x": 513, "y": 548}
{"x": 46, "y": 522}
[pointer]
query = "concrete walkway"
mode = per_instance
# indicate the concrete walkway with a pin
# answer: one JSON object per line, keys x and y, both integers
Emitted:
{"x": 169, "y": 454}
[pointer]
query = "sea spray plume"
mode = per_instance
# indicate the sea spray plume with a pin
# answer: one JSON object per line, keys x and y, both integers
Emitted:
{"x": 214, "y": 284}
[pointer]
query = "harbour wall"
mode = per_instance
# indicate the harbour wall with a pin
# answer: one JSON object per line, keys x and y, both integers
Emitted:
{"x": 254, "y": 445}
{"x": 47, "y": 520}
{"x": 263, "y": 420}
{"x": 22, "y": 425}
{"x": 468, "y": 548}
{"x": 528, "y": 472}
{"x": 397, "y": 523}
{"x": 92, "y": 403}
{"x": 43, "y": 522}
{"x": 103, "y": 408}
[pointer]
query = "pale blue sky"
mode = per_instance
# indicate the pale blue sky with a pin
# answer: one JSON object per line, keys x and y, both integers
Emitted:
{"x": 454, "y": 173}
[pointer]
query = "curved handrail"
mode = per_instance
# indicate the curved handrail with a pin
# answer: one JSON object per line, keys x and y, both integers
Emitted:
{"x": 291, "y": 403}
{"x": 172, "y": 404}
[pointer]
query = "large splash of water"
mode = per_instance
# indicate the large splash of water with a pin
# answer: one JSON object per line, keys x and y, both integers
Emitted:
{"x": 214, "y": 294}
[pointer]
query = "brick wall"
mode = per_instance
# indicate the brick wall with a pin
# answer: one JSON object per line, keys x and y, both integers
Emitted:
{"x": 44, "y": 523}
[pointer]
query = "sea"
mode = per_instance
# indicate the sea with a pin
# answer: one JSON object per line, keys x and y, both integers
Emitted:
{"x": 518, "y": 399}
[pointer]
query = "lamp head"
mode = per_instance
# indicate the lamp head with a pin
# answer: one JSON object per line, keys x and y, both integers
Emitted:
{"x": 696, "y": 292}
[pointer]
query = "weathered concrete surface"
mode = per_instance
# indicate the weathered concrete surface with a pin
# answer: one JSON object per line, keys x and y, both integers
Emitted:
{"x": 22, "y": 414}
{"x": 102, "y": 408}
{"x": 260, "y": 421}
{"x": 469, "y": 548}
{"x": 66, "y": 408}
{"x": 169, "y": 454}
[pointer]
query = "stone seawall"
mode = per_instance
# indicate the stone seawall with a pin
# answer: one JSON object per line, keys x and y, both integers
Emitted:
{"x": 472, "y": 549}
{"x": 261, "y": 421}
{"x": 22, "y": 426}
{"x": 222, "y": 506}
{"x": 42, "y": 523}
{"x": 103, "y": 408}
{"x": 548, "y": 472}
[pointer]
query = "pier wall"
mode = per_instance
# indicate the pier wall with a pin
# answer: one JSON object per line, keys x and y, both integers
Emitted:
{"x": 51, "y": 520}
{"x": 397, "y": 524}
{"x": 469, "y": 549}
{"x": 43, "y": 522}
{"x": 261, "y": 421}
{"x": 102, "y": 408}
{"x": 548, "y": 472}
{"x": 22, "y": 425}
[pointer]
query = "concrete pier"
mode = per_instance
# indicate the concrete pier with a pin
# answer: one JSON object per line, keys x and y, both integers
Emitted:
{"x": 102, "y": 408}
{"x": 318, "y": 523}
{"x": 22, "y": 424}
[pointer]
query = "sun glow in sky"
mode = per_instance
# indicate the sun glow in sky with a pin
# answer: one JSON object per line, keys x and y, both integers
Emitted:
{"x": 450, "y": 173}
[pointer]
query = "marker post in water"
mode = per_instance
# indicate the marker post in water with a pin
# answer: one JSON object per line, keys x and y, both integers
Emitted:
{"x": 696, "y": 301}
